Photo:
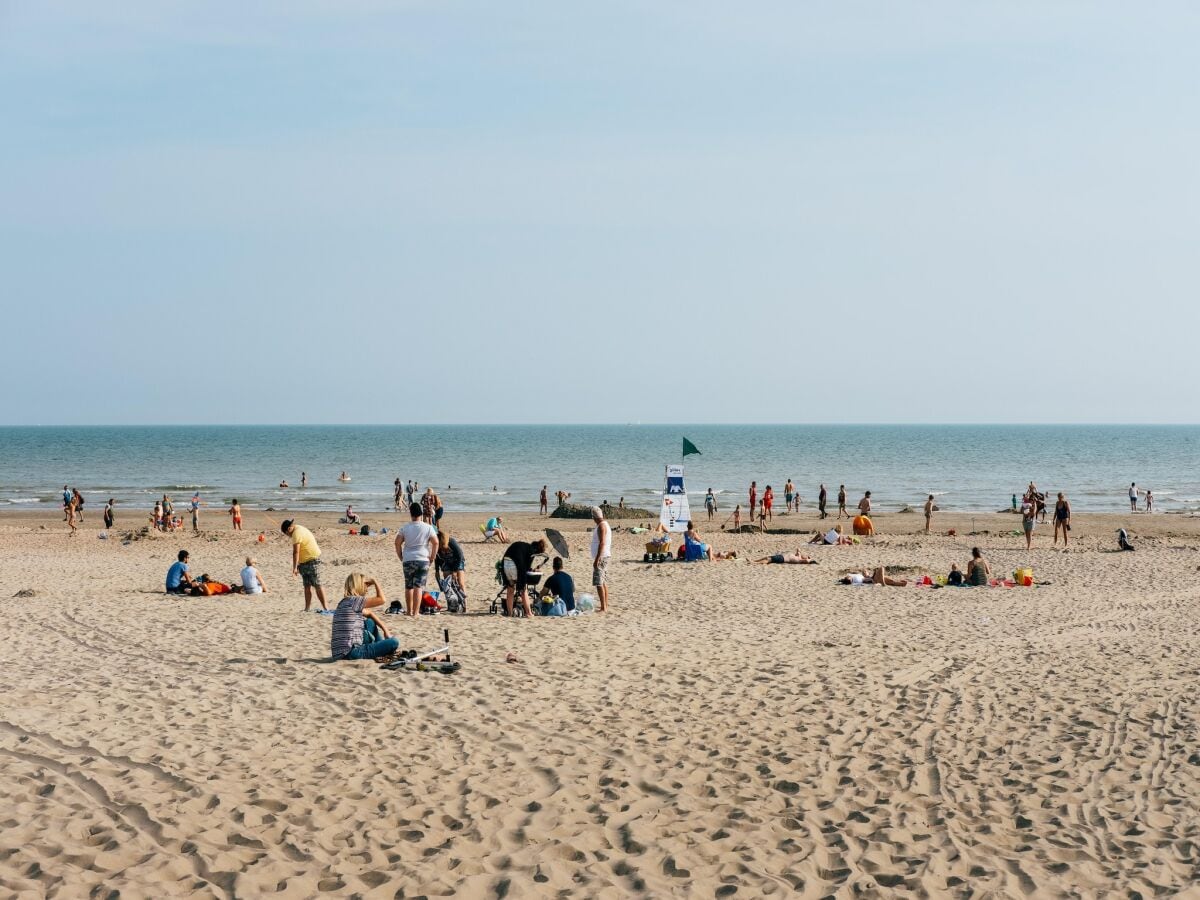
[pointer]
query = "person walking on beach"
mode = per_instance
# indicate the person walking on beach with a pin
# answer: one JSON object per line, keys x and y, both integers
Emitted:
{"x": 1028, "y": 518}
{"x": 1133, "y": 496}
{"x": 67, "y": 496}
{"x": 397, "y": 492}
{"x": 753, "y": 498}
{"x": 195, "y": 510}
{"x": 428, "y": 502}
{"x": 71, "y": 516}
{"x": 864, "y": 505}
{"x": 543, "y": 501}
{"x": 306, "y": 561}
{"x": 417, "y": 547}
{"x": 710, "y": 504}
{"x": 928, "y": 512}
{"x": 1062, "y": 518}
{"x": 601, "y": 554}
{"x": 842, "y": 502}
{"x": 822, "y": 499}
{"x": 78, "y": 499}
{"x": 235, "y": 514}
{"x": 768, "y": 501}
{"x": 109, "y": 514}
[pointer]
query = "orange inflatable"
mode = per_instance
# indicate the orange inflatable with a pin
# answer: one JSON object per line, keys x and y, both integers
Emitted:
{"x": 862, "y": 525}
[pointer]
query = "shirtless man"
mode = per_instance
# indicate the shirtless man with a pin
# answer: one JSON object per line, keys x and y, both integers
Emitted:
{"x": 928, "y": 512}
{"x": 795, "y": 558}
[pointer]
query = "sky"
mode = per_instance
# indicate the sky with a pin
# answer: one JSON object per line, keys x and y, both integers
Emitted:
{"x": 355, "y": 211}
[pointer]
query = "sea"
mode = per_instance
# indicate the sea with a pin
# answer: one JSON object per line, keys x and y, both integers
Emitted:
{"x": 486, "y": 468}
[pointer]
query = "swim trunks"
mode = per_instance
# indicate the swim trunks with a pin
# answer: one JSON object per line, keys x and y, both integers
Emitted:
{"x": 777, "y": 558}
{"x": 600, "y": 572}
{"x": 415, "y": 574}
{"x": 310, "y": 573}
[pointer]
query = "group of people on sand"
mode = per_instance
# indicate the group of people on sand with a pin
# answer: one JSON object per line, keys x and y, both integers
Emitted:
{"x": 1033, "y": 508}
{"x": 72, "y": 502}
{"x": 181, "y": 581}
{"x": 978, "y": 574}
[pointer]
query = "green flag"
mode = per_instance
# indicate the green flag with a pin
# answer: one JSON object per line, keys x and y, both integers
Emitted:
{"x": 689, "y": 448}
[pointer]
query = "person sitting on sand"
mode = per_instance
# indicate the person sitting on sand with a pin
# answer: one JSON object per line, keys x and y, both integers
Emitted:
{"x": 978, "y": 569}
{"x": 795, "y": 558}
{"x": 252, "y": 581}
{"x": 560, "y": 585}
{"x": 357, "y": 632}
{"x": 863, "y": 525}
{"x": 955, "y": 578}
{"x": 691, "y": 536}
{"x": 494, "y": 528}
{"x": 178, "y": 579}
{"x": 878, "y": 576}
{"x": 351, "y": 516}
{"x": 832, "y": 537}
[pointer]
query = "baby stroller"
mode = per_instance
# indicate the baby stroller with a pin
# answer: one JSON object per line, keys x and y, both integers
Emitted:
{"x": 532, "y": 580}
{"x": 455, "y": 597}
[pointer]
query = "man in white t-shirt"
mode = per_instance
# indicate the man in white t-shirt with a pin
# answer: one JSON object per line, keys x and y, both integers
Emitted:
{"x": 417, "y": 546}
{"x": 601, "y": 554}
{"x": 1133, "y": 496}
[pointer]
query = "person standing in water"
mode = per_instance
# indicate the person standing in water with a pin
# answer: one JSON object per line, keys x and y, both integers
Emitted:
{"x": 1149, "y": 501}
{"x": 1133, "y": 496}
{"x": 303, "y": 479}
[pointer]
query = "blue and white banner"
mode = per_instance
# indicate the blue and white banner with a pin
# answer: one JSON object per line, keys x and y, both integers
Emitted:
{"x": 675, "y": 512}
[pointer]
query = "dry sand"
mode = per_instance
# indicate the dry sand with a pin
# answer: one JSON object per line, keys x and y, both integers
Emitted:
{"x": 728, "y": 730}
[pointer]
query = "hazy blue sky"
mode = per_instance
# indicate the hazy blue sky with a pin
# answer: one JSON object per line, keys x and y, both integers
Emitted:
{"x": 345, "y": 211}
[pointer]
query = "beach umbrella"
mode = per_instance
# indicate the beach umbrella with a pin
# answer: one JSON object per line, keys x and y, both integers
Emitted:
{"x": 558, "y": 542}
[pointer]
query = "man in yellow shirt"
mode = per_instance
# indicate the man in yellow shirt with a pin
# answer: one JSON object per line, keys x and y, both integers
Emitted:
{"x": 306, "y": 561}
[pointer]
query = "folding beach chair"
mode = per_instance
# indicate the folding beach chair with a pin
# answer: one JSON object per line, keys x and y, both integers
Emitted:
{"x": 488, "y": 538}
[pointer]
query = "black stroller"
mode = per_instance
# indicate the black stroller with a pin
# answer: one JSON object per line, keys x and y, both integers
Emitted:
{"x": 532, "y": 580}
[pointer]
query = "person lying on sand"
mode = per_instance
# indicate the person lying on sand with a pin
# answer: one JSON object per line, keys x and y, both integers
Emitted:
{"x": 795, "y": 558}
{"x": 833, "y": 537}
{"x": 878, "y": 576}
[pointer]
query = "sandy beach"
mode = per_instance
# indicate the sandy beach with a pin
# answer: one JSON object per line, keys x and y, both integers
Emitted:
{"x": 727, "y": 730}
